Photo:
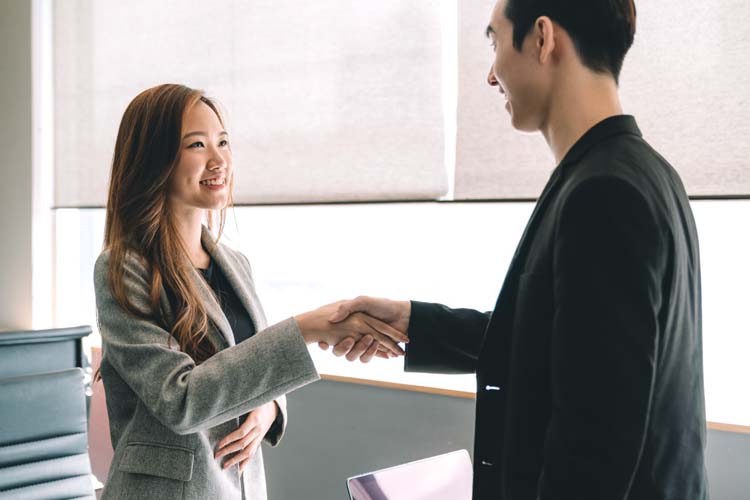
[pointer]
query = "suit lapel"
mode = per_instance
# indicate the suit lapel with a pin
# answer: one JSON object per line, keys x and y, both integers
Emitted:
{"x": 536, "y": 216}
{"x": 499, "y": 344}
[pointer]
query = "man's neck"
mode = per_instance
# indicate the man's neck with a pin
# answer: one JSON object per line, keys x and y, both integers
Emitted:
{"x": 581, "y": 102}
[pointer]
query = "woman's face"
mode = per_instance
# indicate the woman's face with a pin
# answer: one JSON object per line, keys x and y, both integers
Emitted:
{"x": 203, "y": 175}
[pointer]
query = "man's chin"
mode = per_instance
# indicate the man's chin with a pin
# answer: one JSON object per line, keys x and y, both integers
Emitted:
{"x": 518, "y": 123}
{"x": 514, "y": 121}
{"x": 509, "y": 110}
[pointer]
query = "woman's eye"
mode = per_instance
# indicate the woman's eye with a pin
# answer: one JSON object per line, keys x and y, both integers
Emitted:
{"x": 197, "y": 144}
{"x": 224, "y": 143}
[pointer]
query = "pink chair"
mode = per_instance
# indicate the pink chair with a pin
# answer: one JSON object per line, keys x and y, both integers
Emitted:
{"x": 100, "y": 444}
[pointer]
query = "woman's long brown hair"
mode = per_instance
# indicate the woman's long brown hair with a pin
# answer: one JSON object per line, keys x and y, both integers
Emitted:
{"x": 138, "y": 219}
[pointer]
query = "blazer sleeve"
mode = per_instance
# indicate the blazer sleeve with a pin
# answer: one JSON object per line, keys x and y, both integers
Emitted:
{"x": 275, "y": 434}
{"x": 609, "y": 261}
{"x": 183, "y": 396}
{"x": 444, "y": 340}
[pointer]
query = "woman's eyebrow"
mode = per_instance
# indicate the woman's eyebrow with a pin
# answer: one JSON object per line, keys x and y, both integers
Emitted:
{"x": 200, "y": 132}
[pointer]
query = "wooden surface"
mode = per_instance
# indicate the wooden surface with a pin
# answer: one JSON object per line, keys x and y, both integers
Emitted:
{"x": 742, "y": 429}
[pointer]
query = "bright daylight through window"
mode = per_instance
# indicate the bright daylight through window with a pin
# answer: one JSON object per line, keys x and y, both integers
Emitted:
{"x": 453, "y": 253}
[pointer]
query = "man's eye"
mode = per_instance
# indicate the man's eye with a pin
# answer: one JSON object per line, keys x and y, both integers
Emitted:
{"x": 197, "y": 144}
{"x": 224, "y": 142}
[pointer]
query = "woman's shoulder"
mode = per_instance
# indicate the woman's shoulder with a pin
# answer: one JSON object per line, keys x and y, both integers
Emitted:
{"x": 232, "y": 260}
{"x": 132, "y": 263}
{"x": 215, "y": 246}
{"x": 234, "y": 256}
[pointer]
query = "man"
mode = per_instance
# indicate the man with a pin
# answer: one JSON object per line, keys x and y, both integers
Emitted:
{"x": 589, "y": 369}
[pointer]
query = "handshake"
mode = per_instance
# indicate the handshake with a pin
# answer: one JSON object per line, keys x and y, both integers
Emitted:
{"x": 361, "y": 328}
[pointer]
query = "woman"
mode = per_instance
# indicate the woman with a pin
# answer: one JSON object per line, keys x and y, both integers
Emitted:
{"x": 194, "y": 378}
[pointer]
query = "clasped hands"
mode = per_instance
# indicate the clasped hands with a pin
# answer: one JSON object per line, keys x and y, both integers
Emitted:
{"x": 361, "y": 328}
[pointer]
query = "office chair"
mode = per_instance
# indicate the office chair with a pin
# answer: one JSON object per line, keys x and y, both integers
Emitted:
{"x": 43, "y": 437}
{"x": 29, "y": 352}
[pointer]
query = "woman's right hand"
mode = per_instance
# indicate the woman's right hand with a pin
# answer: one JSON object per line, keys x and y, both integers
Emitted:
{"x": 316, "y": 327}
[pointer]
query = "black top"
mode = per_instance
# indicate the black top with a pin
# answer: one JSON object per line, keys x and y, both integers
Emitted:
{"x": 589, "y": 369}
{"x": 239, "y": 319}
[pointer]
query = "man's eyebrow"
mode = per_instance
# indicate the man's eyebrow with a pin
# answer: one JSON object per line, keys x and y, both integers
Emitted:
{"x": 200, "y": 132}
{"x": 489, "y": 31}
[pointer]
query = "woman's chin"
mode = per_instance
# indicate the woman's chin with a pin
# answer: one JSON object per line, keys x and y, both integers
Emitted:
{"x": 215, "y": 204}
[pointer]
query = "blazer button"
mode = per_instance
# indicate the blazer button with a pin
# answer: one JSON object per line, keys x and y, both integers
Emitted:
{"x": 491, "y": 388}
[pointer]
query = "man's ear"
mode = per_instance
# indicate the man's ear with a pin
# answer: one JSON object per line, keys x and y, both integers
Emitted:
{"x": 544, "y": 35}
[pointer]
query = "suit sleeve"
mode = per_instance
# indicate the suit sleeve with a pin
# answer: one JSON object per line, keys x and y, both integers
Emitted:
{"x": 444, "y": 340}
{"x": 609, "y": 264}
{"x": 183, "y": 396}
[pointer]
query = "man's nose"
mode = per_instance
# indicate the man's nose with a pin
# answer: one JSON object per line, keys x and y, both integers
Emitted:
{"x": 491, "y": 77}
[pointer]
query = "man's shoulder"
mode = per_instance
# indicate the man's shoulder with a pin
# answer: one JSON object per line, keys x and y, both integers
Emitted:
{"x": 625, "y": 155}
{"x": 626, "y": 160}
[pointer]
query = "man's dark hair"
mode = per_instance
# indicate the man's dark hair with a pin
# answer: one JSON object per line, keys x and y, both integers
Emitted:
{"x": 602, "y": 30}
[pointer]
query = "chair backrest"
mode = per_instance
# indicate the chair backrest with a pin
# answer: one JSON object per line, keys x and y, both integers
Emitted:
{"x": 28, "y": 352}
{"x": 40, "y": 351}
{"x": 43, "y": 437}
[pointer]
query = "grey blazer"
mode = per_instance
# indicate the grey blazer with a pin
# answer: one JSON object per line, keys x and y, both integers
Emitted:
{"x": 166, "y": 414}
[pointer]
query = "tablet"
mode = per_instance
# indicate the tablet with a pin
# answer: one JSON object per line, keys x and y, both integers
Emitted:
{"x": 442, "y": 477}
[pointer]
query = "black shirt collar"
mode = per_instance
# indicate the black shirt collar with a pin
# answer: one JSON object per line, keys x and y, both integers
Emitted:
{"x": 208, "y": 273}
{"x": 614, "y": 125}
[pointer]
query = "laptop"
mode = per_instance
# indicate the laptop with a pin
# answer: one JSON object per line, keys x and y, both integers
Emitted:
{"x": 442, "y": 477}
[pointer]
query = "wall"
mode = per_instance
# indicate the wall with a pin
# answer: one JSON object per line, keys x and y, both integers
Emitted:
{"x": 16, "y": 165}
{"x": 338, "y": 430}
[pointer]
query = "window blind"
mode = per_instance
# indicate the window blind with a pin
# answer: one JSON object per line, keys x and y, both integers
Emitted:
{"x": 686, "y": 80}
{"x": 325, "y": 100}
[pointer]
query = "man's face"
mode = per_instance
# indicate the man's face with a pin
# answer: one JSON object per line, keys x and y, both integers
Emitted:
{"x": 517, "y": 75}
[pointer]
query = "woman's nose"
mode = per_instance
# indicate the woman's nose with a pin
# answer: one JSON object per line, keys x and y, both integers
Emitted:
{"x": 217, "y": 162}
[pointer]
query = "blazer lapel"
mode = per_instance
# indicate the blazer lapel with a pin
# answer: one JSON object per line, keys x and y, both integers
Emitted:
{"x": 233, "y": 274}
{"x": 213, "y": 310}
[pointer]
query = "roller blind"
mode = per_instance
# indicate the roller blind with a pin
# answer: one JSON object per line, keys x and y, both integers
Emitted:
{"x": 686, "y": 80}
{"x": 325, "y": 101}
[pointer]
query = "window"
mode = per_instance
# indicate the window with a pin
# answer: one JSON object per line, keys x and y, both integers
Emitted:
{"x": 305, "y": 256}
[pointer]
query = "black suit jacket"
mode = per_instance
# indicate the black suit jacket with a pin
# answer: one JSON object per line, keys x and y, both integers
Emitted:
{"x": 589, "y": 370}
